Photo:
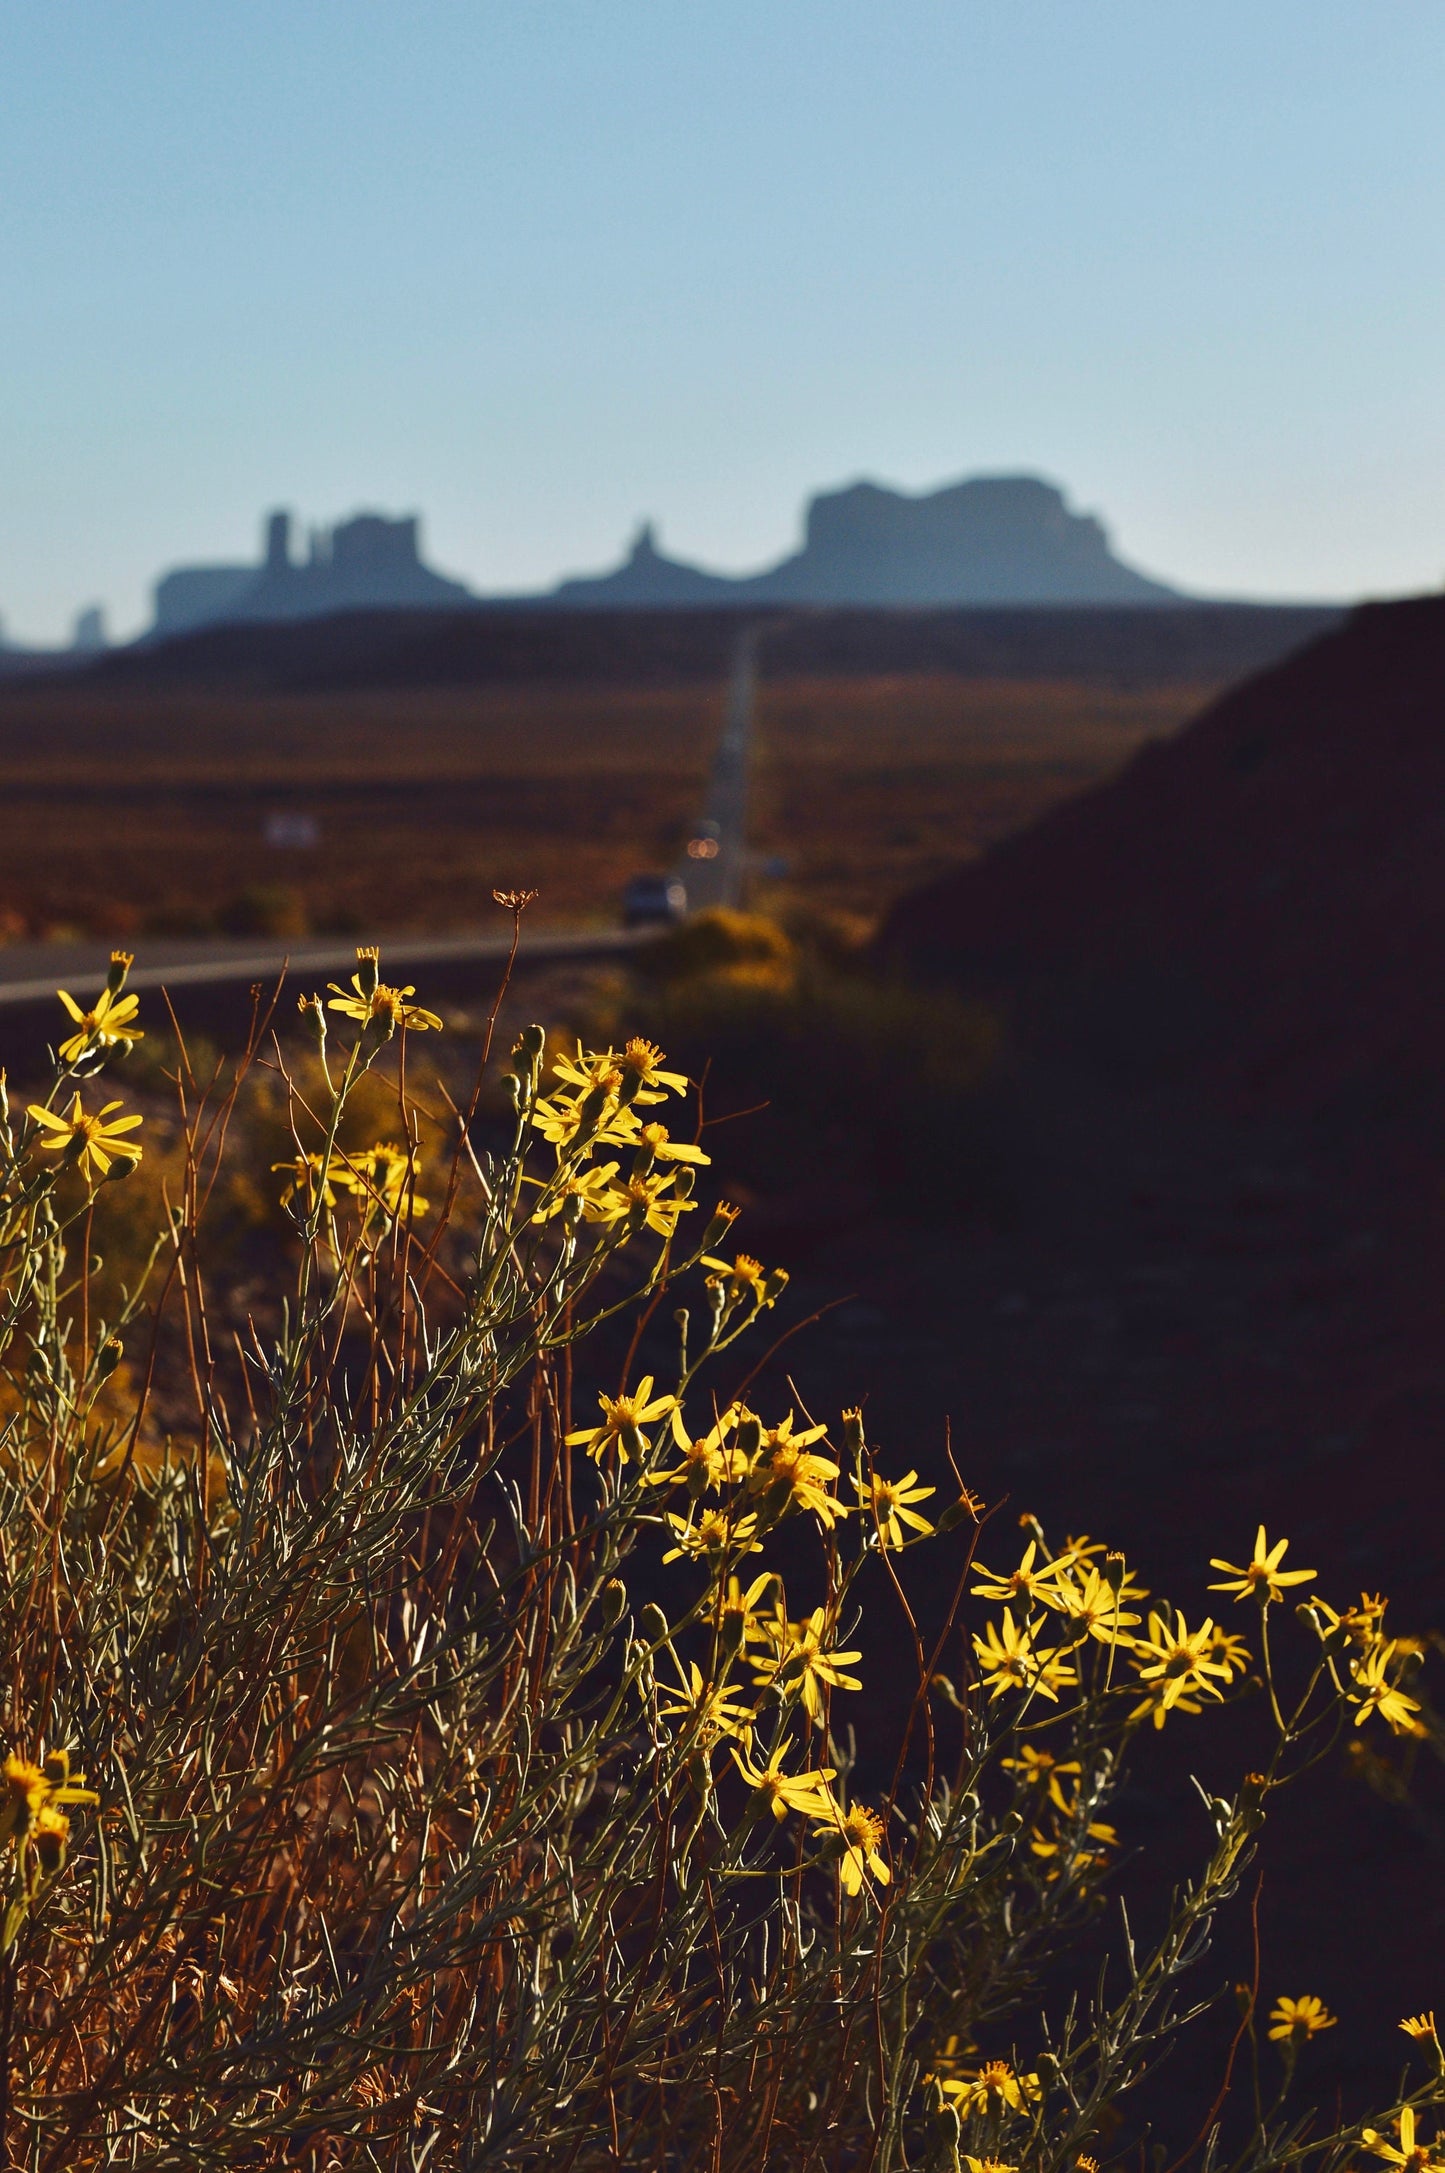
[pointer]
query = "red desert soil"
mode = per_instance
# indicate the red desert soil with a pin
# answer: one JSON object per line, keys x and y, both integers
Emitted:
{"x": 138, "y": 808}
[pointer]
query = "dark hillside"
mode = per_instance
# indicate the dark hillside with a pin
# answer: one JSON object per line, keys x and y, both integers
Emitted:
{"x": 1192, "y": 643}
{"x": 1265, "y": 892}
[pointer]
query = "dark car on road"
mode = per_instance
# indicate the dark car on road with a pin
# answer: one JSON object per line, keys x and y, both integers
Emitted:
{"x": 649, "y": 899}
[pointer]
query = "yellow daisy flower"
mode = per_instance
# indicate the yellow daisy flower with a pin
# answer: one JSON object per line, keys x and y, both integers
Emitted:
{"x": 805, "y": 1792}
{"x": 1009, "y": 1660}
{"x": 1294, "y": 2020}
{"x": 108, "y": 1022}
{"x": 1034, "y": 1586}
{"x": 93, "y": 1142}
{"x": 802, "y": 1664}
{"x": 1261, "y": 1578}
{"x": 993, "y": 2088}
{"x": 28, "y": 1791}
{"x": 707, "y": 1708}
{"x": 715, "y": 1536}
{"x": 888, "y": 1501}
{"x": 1176, "y": 1661}
{"x": 861, "y": 1831}
{"x": 375, "y": 1004}
{"x": 1413, "y": 2157}
{"x": 1377, "y": 1690}
{"x": 623, "y": 1417}
{"x": 1090, "y": 1601}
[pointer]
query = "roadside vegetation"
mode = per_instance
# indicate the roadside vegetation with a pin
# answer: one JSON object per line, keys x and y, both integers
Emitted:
{"x": 426, "y": 1736}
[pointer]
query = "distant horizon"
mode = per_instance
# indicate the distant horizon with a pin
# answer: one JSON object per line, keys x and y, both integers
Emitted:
{"x": 543, "y": 273}
{"x": 309, "y": 529}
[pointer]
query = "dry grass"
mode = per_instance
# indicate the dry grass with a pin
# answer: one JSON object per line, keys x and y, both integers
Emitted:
{"x": 145, "y": 810}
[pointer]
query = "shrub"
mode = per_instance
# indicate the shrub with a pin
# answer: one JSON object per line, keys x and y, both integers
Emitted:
{"x": 358, "y": 1809}
{"x": 852, "y": 1078}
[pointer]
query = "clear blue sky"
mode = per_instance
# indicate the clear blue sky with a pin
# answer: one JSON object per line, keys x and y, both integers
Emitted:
{"x": 537, "y": 268}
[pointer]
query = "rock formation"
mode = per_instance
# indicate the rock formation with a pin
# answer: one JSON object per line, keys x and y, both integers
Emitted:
{"x": 994, "y": 539}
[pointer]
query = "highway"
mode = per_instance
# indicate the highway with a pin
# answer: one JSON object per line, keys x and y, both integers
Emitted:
{"x": 714, "y": 870}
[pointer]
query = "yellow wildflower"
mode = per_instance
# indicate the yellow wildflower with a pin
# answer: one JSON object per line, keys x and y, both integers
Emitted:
{"x": 1293, "y": 2020}
{"x": 632, "y": 1074}
{"x": 805, "y": 1792}
{"x": 707, "y": 1708}
{"x": 738, "y": 1617}
{"x": 304, "y": 1172}
{"x": 655, "y": 1138}
{"x": 993, "y": 2088}
{"x": 861, "y": 1831}
{"x": 1098, "y": 1829}
{"x": 387, "y": 1175}
{"x": 1176, "y": 1662}
{"x": 647, "y": 1201}
{"x": 716, "y": 1535}
{"x": 586, "y": 1185}
{"x": 108, "y": 1022}
{"x": 375, "y": 1004}
{"x": 1036, "y": 1586}
{"x": 707, "y": 1461}
{"x": 623, "y": 1418}
{"x": 1413, "y": 2157}
{"x": 888, "y": 1501}
{"x": 1230, "y": 1651}
{"x": 801, "y": 1662}
{"x": 1377, "y": 1690}
{"x": 787, "y": 1476}
{"x": 1090, "y": 1601}
{"x": 1362, "y": 1625}
{"x": 1261, "y": 1578}
{"x": 643, "y": 1061}
{"x": 28, "y": 1791}
{"x": 587, "y": 1069}
{"x": 1009, "y": 1660}
{"x": 92, "y": 1142}
{"x": 987, "y": 2165}
{"x": 1421, "y": 2028}
{"x": 560, "y": 1118}
{"x": 1040, "y": 1769}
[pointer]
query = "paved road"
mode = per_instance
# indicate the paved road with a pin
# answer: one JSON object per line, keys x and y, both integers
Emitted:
{"x": 719, "y": 877}
{"x": 30, "y": 973}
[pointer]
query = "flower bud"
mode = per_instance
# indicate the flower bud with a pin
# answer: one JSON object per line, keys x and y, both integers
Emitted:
{"x": 614, "y": 1602}
{"x": 954, "y": 1515}
{"x": 724, "y": 1215}
{"x": 108, "y": 1357}
{"x": 313, "y": 1012}
{"x": 368, "y": 967}
{"x": 529, "y": 1044}
{"x": 120, "y": 965}
{"x": 683, "y": 1182}
{"x": 52, "y": 1833}
{"x": 749, "y": 1436}
{"x": 853, "y": 1438}
{"x": 1114, "y": 1569}
{"x": 775, "y": 1282}
{"x": 655, "y": 1626}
